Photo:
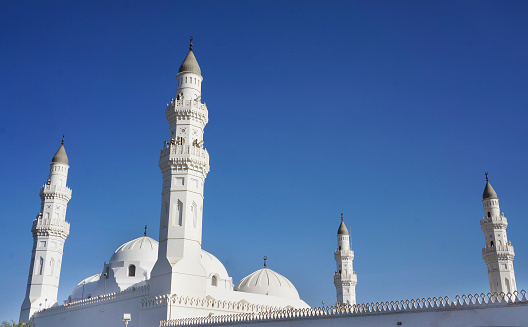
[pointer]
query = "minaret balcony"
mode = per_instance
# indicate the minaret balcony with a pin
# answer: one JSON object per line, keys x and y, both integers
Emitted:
{"x": 186, "y": 110}
{"x": 345, "y": 277}
{"x": 184, "y": 157}
{"x": 501, "y": 220}
{"x": 344, "y": 255}
{"x": 50, "y": 227}
{"x": 185, "y": 151}
{"x": 48, "y": 191}
{"x": 498, "y": 248}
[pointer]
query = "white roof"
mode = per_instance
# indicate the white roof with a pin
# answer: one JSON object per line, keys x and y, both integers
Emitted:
{"x": 267, "y": 282}
{"x": 142, "y": 248}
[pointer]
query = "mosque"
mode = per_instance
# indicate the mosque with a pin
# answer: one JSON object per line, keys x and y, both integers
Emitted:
{"x": 172, "y": 281}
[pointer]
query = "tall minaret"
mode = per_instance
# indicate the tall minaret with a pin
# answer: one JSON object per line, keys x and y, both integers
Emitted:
{"x": 345, "y": 279}
{"x": 184, "y": 164}
{"x": 50, "y": 230}
{"x": 498, "y": 252}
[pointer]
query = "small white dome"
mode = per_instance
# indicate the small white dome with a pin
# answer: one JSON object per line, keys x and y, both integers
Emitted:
{"x": 267, "y": 282}
{"x": 85, "y": 288}
{"x": 141, "y": 249}
{"x": 212, "y": 265}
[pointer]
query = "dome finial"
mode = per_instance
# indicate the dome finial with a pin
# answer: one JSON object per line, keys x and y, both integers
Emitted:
{"x": 265, "y": 258}
{"x": 62, "y": 139}
{"x": 486, "y": 173}
{"x": 145, "y": 230}
{"x": 341, "y": 216}
{"x": 191, "y": 45}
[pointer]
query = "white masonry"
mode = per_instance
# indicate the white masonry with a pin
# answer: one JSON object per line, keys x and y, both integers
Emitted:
{"x": 498, "y": 253}
{"x": 184, "y": 164}
{"x": 50, "y": 230}
{"x": 345, "y": 279}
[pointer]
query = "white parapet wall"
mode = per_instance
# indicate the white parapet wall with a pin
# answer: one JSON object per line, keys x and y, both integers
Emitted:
{"x": 466, "y": 310}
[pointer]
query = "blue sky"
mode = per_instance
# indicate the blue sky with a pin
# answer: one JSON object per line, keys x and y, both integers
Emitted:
{"x": 389, "y": 112}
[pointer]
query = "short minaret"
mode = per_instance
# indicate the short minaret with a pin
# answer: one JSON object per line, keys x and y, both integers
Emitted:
{"x": 184, "y": 164}
{"x": 345, "y": 279}
{"x": 50, "y": 230}
{"x": 498, "y": 253}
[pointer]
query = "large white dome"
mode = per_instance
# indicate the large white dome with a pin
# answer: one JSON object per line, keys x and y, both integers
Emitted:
{"x": 141, "y": 249}
{"x": 267, "y": 282}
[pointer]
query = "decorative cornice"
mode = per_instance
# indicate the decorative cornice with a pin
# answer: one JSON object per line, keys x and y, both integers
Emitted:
{"x": 55, "y": 192}
{"x": 346, "y": 310}
{"x": 50, "y": 227}
{"x": 187, "y": 110}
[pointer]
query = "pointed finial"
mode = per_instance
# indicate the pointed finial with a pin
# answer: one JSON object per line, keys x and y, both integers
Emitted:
{"x": 486, "y": 176}
{"x": 191, "y": 45}
{"x": 265, "y": 258}
{"x": 62, "y": 139}
{"x": 341, "y": 216}
{"x": 145, "y": 230}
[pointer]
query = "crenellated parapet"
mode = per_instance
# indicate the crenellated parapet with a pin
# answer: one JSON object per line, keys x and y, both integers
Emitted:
{"x": 344, "y": 278}
{"x": 183, "y": 158}
{"x": 488, "y": 223}
{"x": 435, "y": 304}
{"x": 53, "y": 191}
{"x": 344, "y": 255}
{"x": 50, "y": 227}
{"x": 187, "y": 110}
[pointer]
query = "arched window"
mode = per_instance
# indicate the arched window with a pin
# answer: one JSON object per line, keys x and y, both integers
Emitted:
{"x": 41, "y": 266}
{"x": 491, "y": 243}
{"x": 489, "y": 214}
{"x": 214, "y": 281}
{"x": 107, "y": 271}
{"x": 131, "y": 271}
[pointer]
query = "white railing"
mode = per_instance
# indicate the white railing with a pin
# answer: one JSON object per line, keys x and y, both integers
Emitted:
{"x": 48, "y": 190}
{"x": 429, "y": 304}
{"x": 111, "y": 297}
{"x": 188, "y": 103}
{"x": 494, "y": 248}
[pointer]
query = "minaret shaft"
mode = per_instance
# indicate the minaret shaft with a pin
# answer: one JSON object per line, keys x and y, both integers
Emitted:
{"x": 345, "y": 278}
{"x": 184, "y": 164}
{"x": 50, "y": 230}
{"x": 498, "y": 252}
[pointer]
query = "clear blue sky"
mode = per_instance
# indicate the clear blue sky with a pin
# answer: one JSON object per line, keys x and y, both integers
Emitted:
{"x": 387, "y": 111}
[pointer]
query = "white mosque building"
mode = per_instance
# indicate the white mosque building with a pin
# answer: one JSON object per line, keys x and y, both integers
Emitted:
{"x": 173, "y": 281}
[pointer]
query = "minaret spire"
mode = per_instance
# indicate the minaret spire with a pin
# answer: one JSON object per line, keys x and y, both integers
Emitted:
{"x": 50, "y": 230}
{"x": 498, "y": 252}
{"x": 345, "y": 279}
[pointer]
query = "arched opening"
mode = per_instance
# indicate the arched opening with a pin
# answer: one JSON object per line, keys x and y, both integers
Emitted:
{"x": 41, "y": 266}
{"x": 507, "y": 282}
{"x": 131, "y": 271}
{"x": 214, "y": 281}
{"x": 489, "y": 214}
{"x": 107, "y": 271}
{"x": 491, "y": 243}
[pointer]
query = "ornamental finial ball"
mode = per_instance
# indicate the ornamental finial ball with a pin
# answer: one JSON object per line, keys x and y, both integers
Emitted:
{"x": 486, "y": 173}
{"x": 265, "y": 258}
{"x": 191, "y": 45}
